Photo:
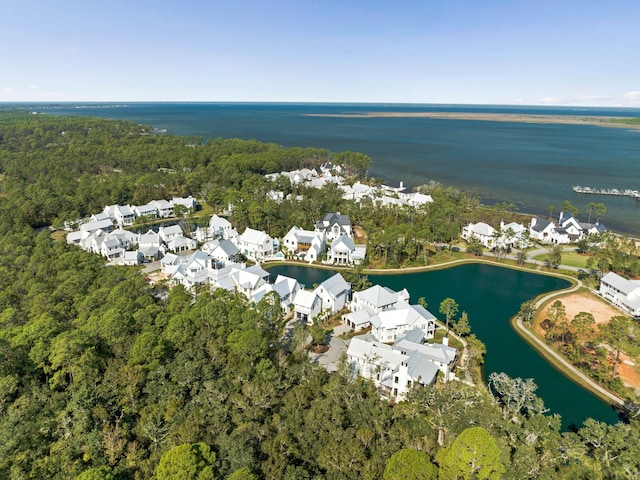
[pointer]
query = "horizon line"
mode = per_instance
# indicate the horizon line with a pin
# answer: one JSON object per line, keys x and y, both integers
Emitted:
{"x": 272, "y": 102}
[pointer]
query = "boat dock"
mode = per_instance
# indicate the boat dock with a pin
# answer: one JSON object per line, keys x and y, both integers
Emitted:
{"x": 626, "y": 192}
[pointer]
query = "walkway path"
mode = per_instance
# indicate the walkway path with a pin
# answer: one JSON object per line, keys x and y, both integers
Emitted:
{"x": 557, "y": 357}
{"x": 521, "y": 328}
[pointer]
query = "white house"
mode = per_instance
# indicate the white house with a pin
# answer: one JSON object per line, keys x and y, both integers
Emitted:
{"x": 164, "y": 208}
{"x": 514, "y": 234}
{"x": 334, "y": 292}
{"x": 132, "y": 257}
{"x": 219, "y": 226}
{"x": 122, "y": 215}
{"x": 223, "y": 252}
{"x": 389, "y": 325}
{"x": 480, "y": 231}
{"x": 333, "y": 225}
{"x": 190, "y": 271}
{"x": 105, "y": 225}
{"x": 396, "y": 369}
{"x": 181, "y": 244}
{"x": 170, "y": 232}
{"x": 151, "y": 245}
{"x": 623, "y": 293}
{"x": 189, "y": 202}
{"x": 256, "y": 245}
{"x": 306, "y": 305}
{"x": 343, "y": 251}
{"x": 415, "y": 199}
{"x": 248, "y": 280}
{"x": 149, "y": 210}
{"x": 376, "y": 299}
{"x": 305, "y": 244}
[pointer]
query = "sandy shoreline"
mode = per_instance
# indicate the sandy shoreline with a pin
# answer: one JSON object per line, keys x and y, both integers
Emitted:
{"x": 495, "y": 117}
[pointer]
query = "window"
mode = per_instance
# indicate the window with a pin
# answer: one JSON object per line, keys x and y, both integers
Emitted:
{"x": 396, "y": 380}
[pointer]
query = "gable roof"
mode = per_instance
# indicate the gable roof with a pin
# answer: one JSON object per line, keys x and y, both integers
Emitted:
{"x": 336, "y": 285}
{"x": 378, "y": 296}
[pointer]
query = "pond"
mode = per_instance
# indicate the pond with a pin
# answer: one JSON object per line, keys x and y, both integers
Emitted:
{"x": 491, "y": 296}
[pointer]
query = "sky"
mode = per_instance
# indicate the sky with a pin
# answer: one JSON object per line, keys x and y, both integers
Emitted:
{"x": 529, "y": 52}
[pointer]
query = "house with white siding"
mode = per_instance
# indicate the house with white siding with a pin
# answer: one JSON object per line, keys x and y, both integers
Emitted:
{"x": 334, "y": 292}
{"x": 621, "y": 292}
{"x": 398, "y": 368}
{"x": 256, "y": 245}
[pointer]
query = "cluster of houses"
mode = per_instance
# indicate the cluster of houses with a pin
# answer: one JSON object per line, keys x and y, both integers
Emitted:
{"x": 328, "y": 173}
{"x": 566, "y": 230}
{"x": 331, "y": 242}
{"x": 395, "y": 355}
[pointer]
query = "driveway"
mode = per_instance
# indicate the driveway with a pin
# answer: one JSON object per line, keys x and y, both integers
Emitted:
{"x": 337, "y": 347}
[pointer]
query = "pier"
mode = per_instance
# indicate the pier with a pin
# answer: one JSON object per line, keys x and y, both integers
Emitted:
{"x": 623, "y": 192}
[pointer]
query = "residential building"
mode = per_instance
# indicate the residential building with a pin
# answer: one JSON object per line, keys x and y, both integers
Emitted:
{"x": 343, "y": 251}
{"x": 396, "y": 369}
{"x": 621, "y": 292}
{"x": 334, "y": 292}
{"x": 333, "y": 225}
{"x": 256, "y": 245}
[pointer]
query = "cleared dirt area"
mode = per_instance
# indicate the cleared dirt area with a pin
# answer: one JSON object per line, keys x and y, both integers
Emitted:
{"x": 602, "y": 312}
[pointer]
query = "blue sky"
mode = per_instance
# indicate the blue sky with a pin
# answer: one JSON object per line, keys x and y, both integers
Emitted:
{"x": 532, "y": 52}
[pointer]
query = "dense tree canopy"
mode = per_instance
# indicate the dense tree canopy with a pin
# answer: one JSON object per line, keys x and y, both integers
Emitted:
{"x": 101, "y": 376}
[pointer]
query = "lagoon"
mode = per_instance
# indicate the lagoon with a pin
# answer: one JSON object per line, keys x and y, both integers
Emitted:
{"x": 492, "y": 295}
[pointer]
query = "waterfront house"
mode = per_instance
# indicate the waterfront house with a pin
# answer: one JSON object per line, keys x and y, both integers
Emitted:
{"x": 621, "y": 292}
{"x": 334, "y": 292}
{"x": 390, "y": 324}
{"x": 481, "y": 231}
{"x": 305, "y": 244}
{"x": 376, "y": 299}
{"x": 343, "y": 251}
{"x": 542, "y": 230}
{"x": 256, "y": 245}
{"x": 396, "y": 369}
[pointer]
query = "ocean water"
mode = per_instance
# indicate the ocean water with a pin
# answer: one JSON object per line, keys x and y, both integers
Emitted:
{"x": 532, "y": 166}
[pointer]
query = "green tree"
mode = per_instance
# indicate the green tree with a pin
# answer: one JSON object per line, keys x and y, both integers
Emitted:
{"x": 408, "y": 464}
{"x": 569, "y": 208}
{"x": 187, "y": 462}
{"x": 448, "y": 308}
{"x": 96, "y": 473}
{"x": 618, "y": 333}
{"x": 473, "y": 454}
{"x": 462, "y": 327}
{"x": 242, "y": 474}
{"x": 554, "y": 257}
{"x": 474, "y": 246}
{"x": 527, "y": 311}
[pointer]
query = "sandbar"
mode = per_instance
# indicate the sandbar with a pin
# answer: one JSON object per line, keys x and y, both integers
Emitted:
{"x": 617, "y": 122}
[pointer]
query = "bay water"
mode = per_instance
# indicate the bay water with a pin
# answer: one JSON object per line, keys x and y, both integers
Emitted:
{"x": 530, "y": 165}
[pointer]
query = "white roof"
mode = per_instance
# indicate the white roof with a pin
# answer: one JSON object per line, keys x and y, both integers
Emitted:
{"x": 306, "y": 299}
{"x": 482, "y": 229}
{"x": 219, "y": 222}
{"x": 378, "y": 296}
{"x": 625, "y": 286}
{"x": 254, "y": 237}
{"x": 336, "y": 284}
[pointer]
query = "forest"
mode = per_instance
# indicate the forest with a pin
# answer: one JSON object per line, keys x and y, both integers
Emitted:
{"x": 104, "y": 376}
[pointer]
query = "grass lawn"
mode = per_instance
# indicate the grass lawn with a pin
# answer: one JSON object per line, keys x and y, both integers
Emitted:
{"x": 569, "y": 257}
